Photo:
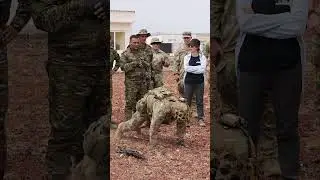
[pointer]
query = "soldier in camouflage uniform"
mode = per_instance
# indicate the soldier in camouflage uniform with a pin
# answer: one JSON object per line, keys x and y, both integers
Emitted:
{"x": 114, "y": 56}
{"x": 224, "y": 34}
{"x": 148, "y": 53}
{"x": 8, "y": 33}
{"x": 159, "y": 106}
{"x": 315, "y": 52}
{"x": 178, "y": 60}
{"x": 136, "y": 67}
{"x": 78, "y": 82}
{"x": 160, "y": 60}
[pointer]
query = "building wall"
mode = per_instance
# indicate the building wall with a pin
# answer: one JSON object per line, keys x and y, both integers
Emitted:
{"x": 121, "y": 21}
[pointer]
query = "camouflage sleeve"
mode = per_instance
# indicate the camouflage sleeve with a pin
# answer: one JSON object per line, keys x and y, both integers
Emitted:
{"x": 176, "y": 61}
{"x": 217, "y": 10}
{"x": 53, "y": 17}
{"x": 122, "y": 61}
{"x": 22, "y": 16}
{"x": 149, "y": 68}
{"x": 4, "y": 11}
{"x": 166, "y": 60}
{"x": 117, "y": 59}
{"x": 124, "y": 65}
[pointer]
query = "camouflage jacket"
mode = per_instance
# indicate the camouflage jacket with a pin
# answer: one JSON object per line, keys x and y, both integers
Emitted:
{"x": 114, "y": 56}
{"x": 178, "y": 58}
{"x": 160, "y": 60}
{"x": 206, "y": 50}
{"x": 22, "y": 14}
{"x": 148, "y": 53}
{"x": 224, "y": 23}
{"x": 75, "y": 36}
{"x": 135, "y": 65}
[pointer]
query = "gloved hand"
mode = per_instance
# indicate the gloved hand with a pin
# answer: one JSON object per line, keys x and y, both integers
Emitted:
{"x": 100, "y": 10}
{"x": 8, "y": 33}
{"x": 98, "y": 7}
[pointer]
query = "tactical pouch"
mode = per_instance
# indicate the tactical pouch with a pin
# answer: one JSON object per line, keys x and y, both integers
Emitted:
{"x": 231, "y": 139}
{"x": 95, "y": 144}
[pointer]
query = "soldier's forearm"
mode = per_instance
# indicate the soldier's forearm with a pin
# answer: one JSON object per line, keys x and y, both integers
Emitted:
{"x": 22, "y": 16}
{"x": 53, "y": 17}
{"x": 217, "y": 10}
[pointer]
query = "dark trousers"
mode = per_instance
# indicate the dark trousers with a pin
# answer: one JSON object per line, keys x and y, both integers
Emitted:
{"x": 3, "y": 110}
{"x": 285, "y": 89}
{"x": 198, "y": 90}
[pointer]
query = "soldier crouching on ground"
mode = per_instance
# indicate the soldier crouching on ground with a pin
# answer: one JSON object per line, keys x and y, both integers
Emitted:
{"x": 158, "y": 106}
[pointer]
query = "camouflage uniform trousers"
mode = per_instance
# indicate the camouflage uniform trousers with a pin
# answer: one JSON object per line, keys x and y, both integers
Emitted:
{"x": 3, "y": 109}
{"x": 157, "y": 79}
{"x": 315, "y": 59}
{"x": 227, "y": 88}
{"x": 227, "y": 83}
{"x": 134, "y": 91}
{"x": 78, "y": 96}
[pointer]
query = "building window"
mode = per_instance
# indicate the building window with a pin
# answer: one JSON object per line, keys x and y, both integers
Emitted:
{"x": 118, "y": 39}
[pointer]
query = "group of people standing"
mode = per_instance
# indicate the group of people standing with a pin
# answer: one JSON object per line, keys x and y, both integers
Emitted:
{"x": 143, "y": 68}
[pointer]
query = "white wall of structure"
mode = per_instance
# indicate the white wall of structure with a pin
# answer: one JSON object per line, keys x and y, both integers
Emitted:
{"x": 121, "y": 27}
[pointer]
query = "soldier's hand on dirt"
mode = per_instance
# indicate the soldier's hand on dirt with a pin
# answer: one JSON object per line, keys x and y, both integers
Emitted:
{"x": 8, "y": 34}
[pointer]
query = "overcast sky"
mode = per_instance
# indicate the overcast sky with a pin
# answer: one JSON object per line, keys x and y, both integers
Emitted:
{"x": 168, "y": 16}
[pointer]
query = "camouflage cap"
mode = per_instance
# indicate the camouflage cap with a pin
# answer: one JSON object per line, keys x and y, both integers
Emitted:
{"x": 143, "y": 32}
{"x": 155, "y": 40}
{"x": 187, "y": 34}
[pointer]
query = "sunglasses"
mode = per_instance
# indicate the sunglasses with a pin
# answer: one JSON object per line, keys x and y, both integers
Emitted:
{"x": 186, "y": 37}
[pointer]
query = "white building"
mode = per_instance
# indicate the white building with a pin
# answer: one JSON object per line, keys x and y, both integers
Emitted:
{"x": 121, "y": 27}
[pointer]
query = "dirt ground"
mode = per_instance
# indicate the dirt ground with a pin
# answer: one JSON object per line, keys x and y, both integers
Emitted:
{"x": 166, "y": 161}
{"x": 28, "y": 127}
